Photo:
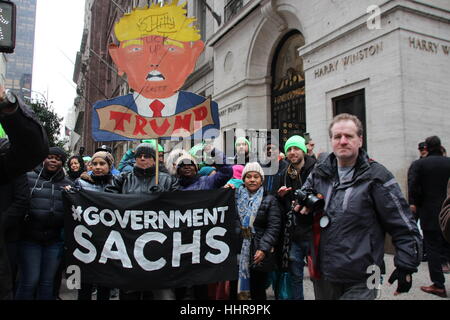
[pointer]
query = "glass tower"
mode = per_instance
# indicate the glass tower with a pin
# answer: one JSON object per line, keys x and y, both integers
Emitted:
{"x": 19, "y": 67}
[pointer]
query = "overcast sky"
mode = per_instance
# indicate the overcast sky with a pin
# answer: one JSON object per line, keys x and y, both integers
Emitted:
{"x": 59, "y": 27}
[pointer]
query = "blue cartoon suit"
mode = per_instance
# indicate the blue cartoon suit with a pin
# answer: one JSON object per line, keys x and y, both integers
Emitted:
{"x": 186, "y": 100}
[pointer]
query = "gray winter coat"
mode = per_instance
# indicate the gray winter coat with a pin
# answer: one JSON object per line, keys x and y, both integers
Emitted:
{"x": 361, "y": 210}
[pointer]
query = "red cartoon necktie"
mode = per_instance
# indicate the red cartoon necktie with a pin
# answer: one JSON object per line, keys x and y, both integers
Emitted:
{"x": 156, "y": 107}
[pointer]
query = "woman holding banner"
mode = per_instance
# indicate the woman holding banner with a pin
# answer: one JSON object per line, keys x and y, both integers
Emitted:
{"x": 260, "y": 227}
{"x": 102, "y": 163}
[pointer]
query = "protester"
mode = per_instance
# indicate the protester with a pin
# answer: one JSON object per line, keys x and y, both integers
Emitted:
{"x": 428, "y": 185}
{"x": 236, "y": 181}
{"x": 310, "y": 146}
{"x": 171, "y": 160}
{"x": 14, "y": 203}
{"x": 273, "y": 167}
{"x": 242, "y": 147}
{"x": 109, "y": 150}
{"x": 260, "y": 223}
{"x": 101, "y": 176}
{"x": 362, "y": 202}
{"x": 297, "y": 230}
{"x": 189, "y": 179}
{"x": 76, "y": 167}
{"x": 142, "y": 180}
{"x": 128, "y": 160}
{"x": 26, "y": 147}
{"x": 42, "y": 244}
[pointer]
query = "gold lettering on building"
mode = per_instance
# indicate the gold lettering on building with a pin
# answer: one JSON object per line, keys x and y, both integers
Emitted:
{"x": 428, "y": 46}
{"x": 290, "y": 95}
{"x": 350, "y": 59}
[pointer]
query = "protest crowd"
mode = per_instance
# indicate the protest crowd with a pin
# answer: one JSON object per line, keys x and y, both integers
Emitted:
{"x": 345, "y": 201}
{"x": 200, "y": 223}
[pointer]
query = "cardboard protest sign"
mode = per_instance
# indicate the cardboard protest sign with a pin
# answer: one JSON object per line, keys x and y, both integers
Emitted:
{"x": 158, "y": 50}
{"x": 162, "y": 240}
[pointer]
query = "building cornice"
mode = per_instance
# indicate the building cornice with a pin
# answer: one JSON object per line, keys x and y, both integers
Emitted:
{"x": 386, "y": 8}
{"x": 236, "y": 20}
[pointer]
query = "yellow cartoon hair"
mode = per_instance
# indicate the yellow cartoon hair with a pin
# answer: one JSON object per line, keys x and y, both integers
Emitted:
{"x": 169, "y": 21}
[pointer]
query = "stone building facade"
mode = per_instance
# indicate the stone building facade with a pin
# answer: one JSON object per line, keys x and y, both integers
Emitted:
{"x": 293, "y": 64}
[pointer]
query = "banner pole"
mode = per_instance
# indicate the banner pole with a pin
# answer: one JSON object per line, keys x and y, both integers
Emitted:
{"x": 157, "y": 161}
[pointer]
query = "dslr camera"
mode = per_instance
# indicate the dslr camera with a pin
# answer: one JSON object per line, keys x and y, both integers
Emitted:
{"x": 310, "y": 199}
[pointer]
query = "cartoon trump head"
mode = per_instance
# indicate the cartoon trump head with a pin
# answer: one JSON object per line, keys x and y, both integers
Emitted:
{"x": 158, "y": 49}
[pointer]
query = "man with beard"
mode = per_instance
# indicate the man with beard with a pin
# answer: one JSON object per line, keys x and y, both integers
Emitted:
{"x": 295, "y": 248}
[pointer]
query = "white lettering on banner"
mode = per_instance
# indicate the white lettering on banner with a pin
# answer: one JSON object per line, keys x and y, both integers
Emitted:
{"x": 184, "y": 218}
{"x": 216, "y": 244}
{"x": 139, "y": 246}
{"x": 179, "y": 248}
{"x": 135, "y": 218}
{"x": 92, "y": 252}
{"x": 111, "y": 215}
{"x": 150, "y": 217}
{"x": 139, "y": 219}
{"x": 120, "y": 254}
{"x": 115, "y": 239}
{"x": 93, "y": 219}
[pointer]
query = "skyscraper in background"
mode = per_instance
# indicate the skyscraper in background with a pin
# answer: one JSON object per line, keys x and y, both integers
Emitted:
{"x": 20, "y": 63}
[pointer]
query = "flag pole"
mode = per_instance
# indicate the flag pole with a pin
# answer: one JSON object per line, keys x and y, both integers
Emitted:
{"x": 157, "y": 161}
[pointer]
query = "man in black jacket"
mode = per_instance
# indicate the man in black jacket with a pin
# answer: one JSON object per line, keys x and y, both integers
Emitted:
{"x": 363, "y": 201}
{"x": 27, "y": 147}
{"x": 14, "y": 204}
{"x": 142, "y": 180}
{"x": 300, "y": 234}
{"x": 428, "y": 182}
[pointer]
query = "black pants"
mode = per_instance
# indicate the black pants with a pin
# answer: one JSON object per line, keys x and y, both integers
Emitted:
{"x": 13, "y": 257}
{"x": 434, "y": 243}
{"x": 258, "y": 281}
{"x": 326, "y": 290}
{"x": 85, "y": 293}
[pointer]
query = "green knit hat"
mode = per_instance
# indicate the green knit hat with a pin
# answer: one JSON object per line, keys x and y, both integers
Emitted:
{"x": 242, "y": 139}
{"x": 295, "y": 141}
{"x": 153, "y": 143}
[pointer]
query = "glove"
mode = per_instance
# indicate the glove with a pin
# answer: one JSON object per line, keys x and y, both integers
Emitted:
{"x": 404, "y": 279}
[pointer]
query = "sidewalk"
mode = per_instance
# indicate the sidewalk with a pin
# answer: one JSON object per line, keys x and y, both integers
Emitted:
{"x": 421, "y": 278}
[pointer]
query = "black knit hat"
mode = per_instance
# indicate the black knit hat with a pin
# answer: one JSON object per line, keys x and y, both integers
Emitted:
{"x": 57, "y": 151}
{"x": 146, "y": 149}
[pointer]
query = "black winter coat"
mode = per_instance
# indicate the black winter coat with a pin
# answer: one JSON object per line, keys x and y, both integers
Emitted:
{"x": 14, "y": 205}
{"x": 142, "y": 181}
{"x": 428, "y": 178}
{"x": 267, "y": 224}
{"x": 27, "y": 147}
{"x": 45, "y": 220}
{"x": 303, "y": 228}
{"x": 361, "y": 210}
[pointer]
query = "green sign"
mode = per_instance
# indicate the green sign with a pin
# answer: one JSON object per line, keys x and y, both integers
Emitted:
{"x": 7, "y": 26}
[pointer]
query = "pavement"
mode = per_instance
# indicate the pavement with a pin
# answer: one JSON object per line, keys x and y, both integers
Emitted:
{"x": 421, "y": 278}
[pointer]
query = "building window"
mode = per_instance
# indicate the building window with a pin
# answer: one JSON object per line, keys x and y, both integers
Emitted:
{"x": 232, "y": 8}
{"x": 353, "y": 103}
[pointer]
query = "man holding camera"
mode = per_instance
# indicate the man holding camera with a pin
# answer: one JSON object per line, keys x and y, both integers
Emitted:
{"x": 26, "y": 146}
{"x": 362, "y": 202}
{"x": 300, "y": 233}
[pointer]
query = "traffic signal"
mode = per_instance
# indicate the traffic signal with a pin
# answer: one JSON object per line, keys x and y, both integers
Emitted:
{"x": 7, "y": 26}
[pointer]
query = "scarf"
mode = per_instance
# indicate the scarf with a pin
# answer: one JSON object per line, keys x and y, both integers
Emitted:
{"x": 247, "y": 206}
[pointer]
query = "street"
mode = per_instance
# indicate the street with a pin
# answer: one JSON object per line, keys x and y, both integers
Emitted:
{"x": 421, "y": 278}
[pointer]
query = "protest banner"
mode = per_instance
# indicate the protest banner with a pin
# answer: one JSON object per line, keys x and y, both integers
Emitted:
{"x": 161, "y": 240}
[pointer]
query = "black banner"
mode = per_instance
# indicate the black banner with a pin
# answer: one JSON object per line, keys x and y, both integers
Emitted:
{"x": 152, "y": 241}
